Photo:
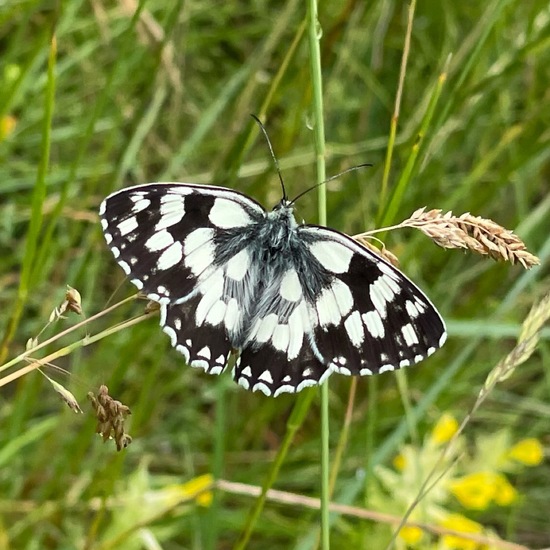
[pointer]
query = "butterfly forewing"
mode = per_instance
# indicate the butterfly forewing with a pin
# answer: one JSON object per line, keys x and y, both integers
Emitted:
{"x": 162, "y": 234}
{"x": 371, "y": 318}
{"x": 297, "y": 302}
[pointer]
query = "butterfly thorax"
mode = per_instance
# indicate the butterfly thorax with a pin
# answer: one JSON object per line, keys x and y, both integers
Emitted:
{"x": 279, "y": 229}
{"x": 274, "y": 248}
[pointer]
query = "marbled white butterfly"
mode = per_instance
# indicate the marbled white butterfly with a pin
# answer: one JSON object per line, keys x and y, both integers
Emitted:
{"x": 297, "y": 302}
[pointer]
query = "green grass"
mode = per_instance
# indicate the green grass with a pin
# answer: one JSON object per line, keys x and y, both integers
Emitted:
{"x": 164, "y": 94}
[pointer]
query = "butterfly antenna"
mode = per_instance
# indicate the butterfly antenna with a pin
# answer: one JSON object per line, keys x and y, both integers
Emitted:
{"x": 352, "y": 169}
{"x": 262, "y": 128}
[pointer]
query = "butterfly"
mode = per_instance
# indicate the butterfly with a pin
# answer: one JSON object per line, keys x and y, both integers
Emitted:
{"x": 296, "y": 302}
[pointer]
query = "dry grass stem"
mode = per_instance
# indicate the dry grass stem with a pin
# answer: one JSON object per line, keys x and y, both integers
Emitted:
{"x": 472, "y": 233}
{"x": 294, "y": 499}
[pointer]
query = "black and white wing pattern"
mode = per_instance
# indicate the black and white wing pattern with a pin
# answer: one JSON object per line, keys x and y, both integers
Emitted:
{"x": 163, "y": 236}
{"x": 297, "y": 302}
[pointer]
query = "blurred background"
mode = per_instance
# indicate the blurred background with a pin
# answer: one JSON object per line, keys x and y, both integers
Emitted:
{"x": 162, "y": 91}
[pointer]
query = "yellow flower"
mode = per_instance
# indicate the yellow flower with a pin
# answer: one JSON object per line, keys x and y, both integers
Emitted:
{"x": 197, "y": 487}
{"x": 458, "y": 522}
{"x": 445, "y": 428}
{"x": 411, "y": 534}
{"x": 7, "y": 126}
{"x": 505, "y": 494}
{"x": 399, "y": 462}
{"x": 474, "y": 491}
{"x": 205, "y": 499}
{"x": 527, "y": 451}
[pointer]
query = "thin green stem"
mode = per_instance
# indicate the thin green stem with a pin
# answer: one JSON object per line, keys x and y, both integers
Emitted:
{"x": 370, "y": 442}
{"x": 407, "y": 173}
{"x": 344, "y": 435}
{"x": 38, "y": 198}
{"x": 396, "y": 110}
{"x": 319, "y": 127}
{"x": 299, "y": 411}
{"x": 296, "y": 419}
{"x": 211, "y": 533}
{"x": 314, "y": 34}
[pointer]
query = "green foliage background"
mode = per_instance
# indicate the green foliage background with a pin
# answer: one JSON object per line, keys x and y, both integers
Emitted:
{"x": 164, "y": 94}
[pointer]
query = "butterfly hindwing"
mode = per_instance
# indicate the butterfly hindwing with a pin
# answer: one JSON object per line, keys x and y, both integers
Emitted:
{"x": 205, "y": 346}
{"x": 276, "y": 353}
{"x": 270, "y": 371}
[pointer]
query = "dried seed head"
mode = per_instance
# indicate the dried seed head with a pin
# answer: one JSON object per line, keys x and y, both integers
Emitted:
{"x": 524, "y": 348}
{"x": 473, "y": 233}
{"x": 65, "y": 395}
{"x": 111, "y": 415}
{"x": 383, "y": 252}
{"x": 151, "y": 307}
{"x": 74, "y": 300}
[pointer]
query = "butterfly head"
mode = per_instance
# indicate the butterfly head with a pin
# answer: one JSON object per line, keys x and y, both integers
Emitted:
{"x": 283, "y": 212}
{"x": 284, "y": 204}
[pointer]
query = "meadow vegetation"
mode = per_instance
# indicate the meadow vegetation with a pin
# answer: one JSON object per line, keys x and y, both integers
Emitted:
{"x": 95, "y": 96}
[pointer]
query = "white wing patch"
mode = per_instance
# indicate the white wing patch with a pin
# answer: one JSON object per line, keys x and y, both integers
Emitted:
{"x": 291, "y": 289}
{"x": 212, "y": 293}
{"x": 281, "y": 337}
{"x": 159, "y": 241}
{"x": 198, "y": 249}
{"x": 172, "y": 210}
{"x": 355, "y": 329}
{"x": 263, "y": 329}
{"x": 140, "y": 204}
{"x": 170, "y": 257}
{"x": 334, "y": 303}
{"x": 332, "y": 255}
{"x": 237, "y": 267}
{"x": 327, "y": 308}
{"x": 409, "y": 334}
{"x": 228, "y": 214}
{"x": 298, "y": 326}
{"x": 128, "y": 225}
{"x": 233, "y": 316}
{"x": 343, "y": 296}
{"x": 374, "y": 324}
